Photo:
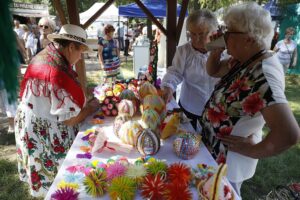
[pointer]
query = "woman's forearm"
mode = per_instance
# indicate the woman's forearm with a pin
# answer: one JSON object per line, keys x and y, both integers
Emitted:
{"x": 272, "y": 146}
{"x": 86, "y": 111}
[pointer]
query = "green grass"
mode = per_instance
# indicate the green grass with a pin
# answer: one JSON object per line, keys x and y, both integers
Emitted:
{"x": 284, "y": 168}
{"x": 10, "y": 186}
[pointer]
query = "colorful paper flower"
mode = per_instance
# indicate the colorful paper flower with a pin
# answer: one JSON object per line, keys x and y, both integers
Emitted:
{"x": 179, "y": 168}
{"x": 115, "y": 170}
{"x": 175, "y": 191}
{"x": 65, "y": 194}
{"x": 156, "y": 167}
{"x": 122, "y": 188}
{"x": 136, "y": 172}
{"x": 64, "y": 184}
{"x": 95, "y": 183}
{"x": 153, "y": 187}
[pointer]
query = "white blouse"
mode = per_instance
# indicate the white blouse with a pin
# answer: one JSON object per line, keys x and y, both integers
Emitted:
{"x": 189, "y": 67}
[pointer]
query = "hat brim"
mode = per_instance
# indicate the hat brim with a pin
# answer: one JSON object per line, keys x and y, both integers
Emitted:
{"x": 54, "y": 36}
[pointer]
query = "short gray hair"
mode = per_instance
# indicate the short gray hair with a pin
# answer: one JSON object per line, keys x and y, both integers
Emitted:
{"x": 253, "y": 19}
{"x": 202, "y": 17}
{"x": 49, "y": 21}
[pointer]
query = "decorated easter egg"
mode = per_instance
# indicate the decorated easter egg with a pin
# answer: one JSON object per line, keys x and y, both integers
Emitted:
{"x": 127, "y": 94}
{"x": 186, "y": 145}
{"x": 156, "y": 103}
{"x": 147, "y": 89}
{"x": 148, "y": 143}
{"x": 129, "y": 132}
{"x": 126, "y": 107}
{"x": 130, "y": 95}
{"x": 119, "y": 121}
{"x": 150, "y": 119}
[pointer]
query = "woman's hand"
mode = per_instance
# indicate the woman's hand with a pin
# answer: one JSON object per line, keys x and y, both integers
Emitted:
{"x": 93, "y": 105}
{"x": 167, "y": 94}
{"x": 238, "y": 144}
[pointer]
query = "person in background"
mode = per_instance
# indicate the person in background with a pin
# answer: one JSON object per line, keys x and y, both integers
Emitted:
{"x": 188, "y": 67}
{"x": 18, "y": 29}
{"x": 120, "y": 35}
{"x": 287, "y": 50}
{"x": 46, "y": 26}
{"x": 51, "y": 108}
{"x": 100, "y": 31}
{"x": 109, "y": 54}
{"x": 128, "y": 34}
{"x": 249, "y": 95}
{"x": 28, "y": 38}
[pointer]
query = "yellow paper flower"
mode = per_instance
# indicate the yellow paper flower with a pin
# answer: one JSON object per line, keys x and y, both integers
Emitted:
{"x": 63, "y": 184}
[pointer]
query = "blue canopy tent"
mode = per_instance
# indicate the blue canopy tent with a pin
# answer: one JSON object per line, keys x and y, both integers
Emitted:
{"x": 157, "y": 7}
{"x": 273, "y": 8}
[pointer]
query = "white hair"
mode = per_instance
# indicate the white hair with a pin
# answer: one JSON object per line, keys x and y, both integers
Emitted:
{"x": 253, "y": 19}
{"x": 202, "y": 17}
{"x": 48, "y": 21}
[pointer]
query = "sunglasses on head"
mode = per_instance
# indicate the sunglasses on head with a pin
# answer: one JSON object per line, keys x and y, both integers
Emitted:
{"x": 45, "y": 26}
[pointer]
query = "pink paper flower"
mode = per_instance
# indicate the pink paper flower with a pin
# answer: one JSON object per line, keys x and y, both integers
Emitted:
{"x": 104, "y": 108}
{"x": 110, "y": 106}
{"x": 114, "y": 112}
{"x": 107, "y": 113}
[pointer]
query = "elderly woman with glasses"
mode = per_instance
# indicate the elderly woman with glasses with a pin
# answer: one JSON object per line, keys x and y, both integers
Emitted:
{"x": 249, "y": 95}
{"x": 46, "y": 27}
{"x": 51, "y": 108}
{"x": 188, "y": 67}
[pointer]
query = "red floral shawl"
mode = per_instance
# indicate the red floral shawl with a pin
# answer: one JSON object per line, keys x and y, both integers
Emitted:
{"x": 51, "y": 67}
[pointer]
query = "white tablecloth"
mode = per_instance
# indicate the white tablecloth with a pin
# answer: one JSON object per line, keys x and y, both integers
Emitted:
{"x": 165, "y": 153}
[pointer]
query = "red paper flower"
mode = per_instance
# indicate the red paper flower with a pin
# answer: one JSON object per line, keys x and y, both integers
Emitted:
{"x": 114, "y": 112}
{"x": 110, "y": 106}
{"x": 106, "y": 101}
{"x": 104, "y": 108}
{"x": 153, "y": 187}
{"x": 176, "y": 191}
{"x": 216, "y": 114}
{"x": 253, "y": 104}
{"x": 179, "y": 168}
{"x": 107, "y": 113}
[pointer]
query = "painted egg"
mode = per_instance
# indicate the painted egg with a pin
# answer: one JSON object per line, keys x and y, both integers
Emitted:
{"x": 148, "y": 143}
{"x": 147, "y": 89}
{"x": 186, "y": 145}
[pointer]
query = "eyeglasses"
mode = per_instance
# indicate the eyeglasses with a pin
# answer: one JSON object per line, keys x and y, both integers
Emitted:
{"x": 45, "y": 26}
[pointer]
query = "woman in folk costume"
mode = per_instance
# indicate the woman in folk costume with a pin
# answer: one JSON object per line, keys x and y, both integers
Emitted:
{"x": 109, "y": 54}
{"x": 52, "y": 105}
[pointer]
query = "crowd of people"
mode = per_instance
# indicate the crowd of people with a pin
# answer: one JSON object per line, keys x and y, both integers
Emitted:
{"x": 229, "y": 95}
{"x": 33, "y": 36}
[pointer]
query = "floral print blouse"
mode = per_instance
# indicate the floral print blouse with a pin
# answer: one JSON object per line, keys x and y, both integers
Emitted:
{"x": 241, "y": 97}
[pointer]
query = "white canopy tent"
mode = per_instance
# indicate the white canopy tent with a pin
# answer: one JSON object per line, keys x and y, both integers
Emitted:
{"x": 109, "y": 16}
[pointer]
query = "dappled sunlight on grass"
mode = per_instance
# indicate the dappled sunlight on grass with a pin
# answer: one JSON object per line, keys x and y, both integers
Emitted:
{"x": 281, "y": 169}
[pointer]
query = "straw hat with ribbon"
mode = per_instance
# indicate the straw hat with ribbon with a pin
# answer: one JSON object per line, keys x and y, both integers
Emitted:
{"x": 72, "y": 33}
